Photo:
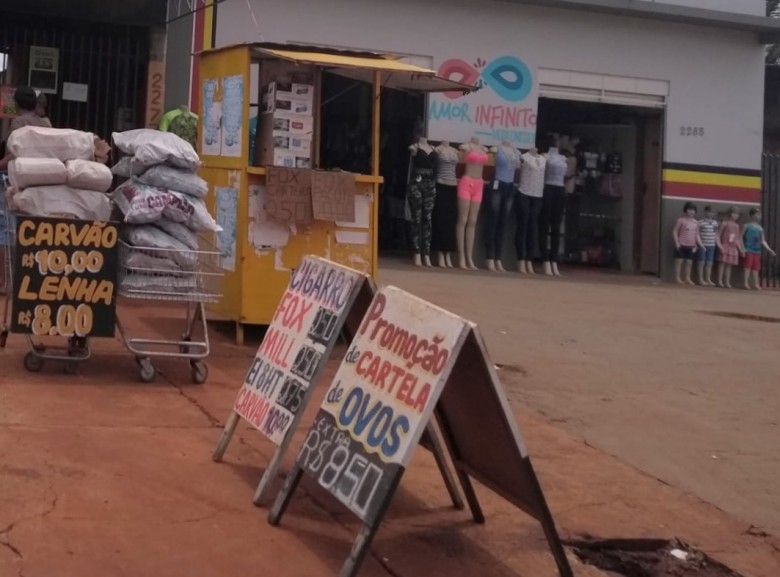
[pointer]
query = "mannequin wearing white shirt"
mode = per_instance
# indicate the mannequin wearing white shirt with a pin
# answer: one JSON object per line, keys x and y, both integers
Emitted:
{"x": 445, "y": 210}
{"x": 553, "y": 208}
{"x": 528, "y": 208}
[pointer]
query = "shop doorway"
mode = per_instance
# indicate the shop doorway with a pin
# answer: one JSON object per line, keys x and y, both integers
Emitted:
{"x": 346, "y": 144}
{"x": 613, "y": 217}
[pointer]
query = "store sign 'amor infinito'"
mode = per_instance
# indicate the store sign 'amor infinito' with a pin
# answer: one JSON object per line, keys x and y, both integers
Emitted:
{"x": 381, "y": 400}
{"x": 504, "y": 108}
{"x": 65, "y": 274}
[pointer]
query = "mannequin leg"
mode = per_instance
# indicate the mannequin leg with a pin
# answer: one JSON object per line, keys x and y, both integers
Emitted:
{"x": 544, "y": 221}
{"x": 415, "y": 200}
{"x": 507, "y": 205}
{"x": 746, "y": 278}
{"x": 678, "y": 270}
{"x": 463, "y": 218}
{"x": 708, "y": 274}
{"x": 729, "y": 268}
{"x": 492, "y": 201}
{"x": 471, "y": 231}
{"x": 721, "y": 272}
{"x": 428, "y": 200}
{"x": 522, "y": 212}
{"x": 756, "y": 280}
{"x": 688, "y": 270}
{"x": 700, "y": 271}
{"x": 558, "y": 209}
{"x": 448, "y": 260}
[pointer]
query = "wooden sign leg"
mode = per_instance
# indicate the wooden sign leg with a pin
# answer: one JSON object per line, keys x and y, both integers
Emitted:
{"x": 465, "y": 481}
{"x": 548, "y": 524}
{"x": 432, "y": 441}
{"x": 227, "y": 435}
{"x": 273, "y": 467}
{"x": 360, "y": 548}
{"x": 285, "y": 495}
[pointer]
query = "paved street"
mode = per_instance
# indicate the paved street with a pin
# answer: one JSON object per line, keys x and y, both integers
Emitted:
{"x": 640, "y": 370}
{"x": 101, "y": 475}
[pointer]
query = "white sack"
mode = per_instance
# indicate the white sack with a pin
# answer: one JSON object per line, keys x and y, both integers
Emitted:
{"x": 61, "y": 143}
{"x": 25, "y": 172}
{"x": 127, "y": 167}
{"x": 89, "y": 175}
{"x": 139, "y": 203}
{"x": 152, "y": 147}
{"x": 149, "y": 237}
{"x": 176, "y": 179}
{"x": 191, "y": 212}
{"x": 179, "y": 232}
{"x": 63, "y": 201}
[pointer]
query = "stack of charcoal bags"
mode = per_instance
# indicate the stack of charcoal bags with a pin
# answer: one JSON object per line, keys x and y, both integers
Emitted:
{"x": 162, "y": 203}
{"x": 54, "y": 174}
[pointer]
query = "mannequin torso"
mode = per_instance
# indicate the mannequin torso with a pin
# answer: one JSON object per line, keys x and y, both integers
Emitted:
{"x": 446, "y": 164}
{"x": 555, "y": 170}
{"x": 475, "y": 158}
{"x": 507, "y": 161}
{"x": 532, "y": 173}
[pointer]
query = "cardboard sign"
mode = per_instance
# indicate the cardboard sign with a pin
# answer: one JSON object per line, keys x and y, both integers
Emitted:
{"x": 333, "y": 195}
{"x": 381, "y": 400}
{"x": 7, "y": 102}
{"x": 288, "y": 195}
{"x": 65, "y": 275}
{"x": 407, "y": 358}
{"x": 297, "y": 344}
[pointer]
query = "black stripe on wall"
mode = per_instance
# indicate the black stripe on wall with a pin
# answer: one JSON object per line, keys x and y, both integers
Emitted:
{"x": 712, "y": 169}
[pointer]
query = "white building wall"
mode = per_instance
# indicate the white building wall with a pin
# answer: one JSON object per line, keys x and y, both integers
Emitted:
{"x": 716, "y": 77}
{"x": 751, "y": 7}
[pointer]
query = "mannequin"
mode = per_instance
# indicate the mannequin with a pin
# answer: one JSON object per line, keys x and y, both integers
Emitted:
{"x": 500, "y": 201}
{"x": 182, "y": 122}
{"x": 754, "y": 243}
{"x": 708, "y": 232}
{"x": 553, "y": 207}
{"x": 470, "y": 191}
{"x": 730, "y": 247}
{"x": 421, "y": 195}
{"x": 445, "y": 209}
{"x": 686, "y": 242}
{"x": 529, "y": 207}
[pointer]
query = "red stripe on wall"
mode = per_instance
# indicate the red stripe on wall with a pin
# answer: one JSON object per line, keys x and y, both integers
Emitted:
{"x": 197, "y": 46}
{"x": 712, "y": 192}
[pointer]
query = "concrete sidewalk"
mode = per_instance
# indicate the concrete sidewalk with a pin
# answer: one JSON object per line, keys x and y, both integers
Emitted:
{"x": 101, "y": 475}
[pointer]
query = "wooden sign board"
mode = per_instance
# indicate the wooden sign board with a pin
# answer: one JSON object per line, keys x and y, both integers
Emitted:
{"x": 288, "y": 195}
{"x": 408, "y": 358}
{"x": 65, "y": 275}
{"x": 297, "y": 344}
{"x": 333, "y": 195}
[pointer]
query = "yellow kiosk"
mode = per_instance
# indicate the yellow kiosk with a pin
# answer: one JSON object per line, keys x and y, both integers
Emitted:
{"x": 259, "y": 252}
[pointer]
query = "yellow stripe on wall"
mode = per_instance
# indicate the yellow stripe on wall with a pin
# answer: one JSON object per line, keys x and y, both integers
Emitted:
{"x": 208, "y": 25}
{"x": 690, "y": 177}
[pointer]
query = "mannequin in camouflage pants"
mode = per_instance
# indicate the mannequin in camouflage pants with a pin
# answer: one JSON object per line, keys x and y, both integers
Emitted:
{"x": 422, "y": 196}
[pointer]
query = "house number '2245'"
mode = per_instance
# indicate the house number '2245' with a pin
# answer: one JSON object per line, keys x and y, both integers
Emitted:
{"x": 691, "y": 131}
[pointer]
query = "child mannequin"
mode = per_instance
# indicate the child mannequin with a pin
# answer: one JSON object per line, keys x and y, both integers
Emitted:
{"x": 708, "y": 233}
{"x": 754, "y": 241}
{"x": 729, "y": 242}
{"x": 686, "y": 242}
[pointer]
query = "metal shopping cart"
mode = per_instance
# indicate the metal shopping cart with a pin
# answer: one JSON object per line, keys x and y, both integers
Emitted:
{"x": 76, "y": 349}
{"x": 147, "y": 274}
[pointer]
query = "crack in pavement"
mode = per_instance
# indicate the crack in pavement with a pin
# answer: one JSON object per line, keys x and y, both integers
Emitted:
{"x": 214, "y": 422}
{"x": 5, "y": 533}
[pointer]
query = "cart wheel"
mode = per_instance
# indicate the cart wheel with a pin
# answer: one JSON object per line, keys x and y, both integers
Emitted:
{"x": 184, "y": 349}
{"x": 200, "y": 373}
{"x": 147, "y": 372}
{"x": 71, "y": 367}
{"x": 33, "y": 363}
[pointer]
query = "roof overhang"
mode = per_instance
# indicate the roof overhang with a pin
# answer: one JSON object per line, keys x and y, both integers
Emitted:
{"x": 767, "y": 30}
{"x": 364, "y": 66}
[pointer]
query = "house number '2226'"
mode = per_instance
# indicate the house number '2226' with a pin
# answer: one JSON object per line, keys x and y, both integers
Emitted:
{"x": 691, "y": 131}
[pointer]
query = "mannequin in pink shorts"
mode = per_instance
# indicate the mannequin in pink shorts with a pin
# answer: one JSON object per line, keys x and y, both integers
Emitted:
{"x": 730, "y": 247}
{"x": 470, "y": 189}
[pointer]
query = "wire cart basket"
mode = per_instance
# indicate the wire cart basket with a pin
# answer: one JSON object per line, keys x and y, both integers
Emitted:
{"x": 76, "y": 350}
{"x": 195, "y": 280}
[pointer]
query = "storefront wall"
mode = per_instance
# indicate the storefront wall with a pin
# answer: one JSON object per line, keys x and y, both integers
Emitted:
{"x": 714, "y": 111}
